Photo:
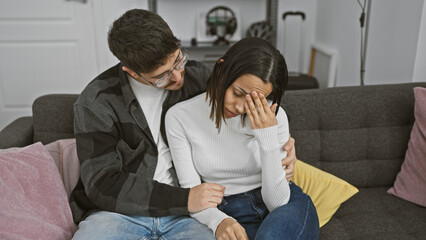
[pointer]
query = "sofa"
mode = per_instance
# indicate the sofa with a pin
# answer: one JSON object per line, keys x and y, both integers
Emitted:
{"x": 359, "y": 134}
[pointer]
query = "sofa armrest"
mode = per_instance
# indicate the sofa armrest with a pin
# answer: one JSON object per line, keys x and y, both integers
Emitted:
{"x": 18, "y": 133}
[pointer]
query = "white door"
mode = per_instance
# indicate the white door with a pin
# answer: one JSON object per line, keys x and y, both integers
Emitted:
{"x": 46, "y": 46}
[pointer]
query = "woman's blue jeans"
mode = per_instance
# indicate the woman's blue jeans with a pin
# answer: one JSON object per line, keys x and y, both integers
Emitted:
{"x": 297, "y": 219}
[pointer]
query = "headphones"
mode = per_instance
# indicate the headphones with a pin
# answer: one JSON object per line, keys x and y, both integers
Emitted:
{"x": 221, "y": 16}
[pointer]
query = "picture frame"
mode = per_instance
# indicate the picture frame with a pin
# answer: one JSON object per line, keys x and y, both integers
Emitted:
{"x": 323, "y": 65}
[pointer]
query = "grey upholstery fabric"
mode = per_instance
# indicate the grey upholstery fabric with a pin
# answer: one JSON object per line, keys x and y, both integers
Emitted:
{"x": 374, "y": 214}
{"x": 359, "y": 134}
{"x": 18, "y": 133}
{"x": 53, "y": 117}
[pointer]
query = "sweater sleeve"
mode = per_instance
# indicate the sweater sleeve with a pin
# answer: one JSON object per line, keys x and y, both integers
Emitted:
{"x": 275, "y": 188}
{"x": 188, "y": 176}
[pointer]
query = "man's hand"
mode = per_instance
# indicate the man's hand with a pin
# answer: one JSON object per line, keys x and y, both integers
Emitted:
{"x": 230, "y": 229}
{"x": 203, "y": 196}
{"x": 290, "y": 160}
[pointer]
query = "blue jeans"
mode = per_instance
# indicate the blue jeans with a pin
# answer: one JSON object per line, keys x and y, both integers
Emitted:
{"x": 109, "y": 225}
{"x": 297, "y": 219}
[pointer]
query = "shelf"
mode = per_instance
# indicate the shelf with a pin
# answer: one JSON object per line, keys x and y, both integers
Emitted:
{"x": 271, "y": 15}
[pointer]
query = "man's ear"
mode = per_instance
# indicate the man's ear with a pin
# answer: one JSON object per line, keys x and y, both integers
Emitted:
{"x": 129, "y": 71}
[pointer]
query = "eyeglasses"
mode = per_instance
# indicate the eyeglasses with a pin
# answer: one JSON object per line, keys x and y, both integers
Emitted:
{"x": 162, "y": 81}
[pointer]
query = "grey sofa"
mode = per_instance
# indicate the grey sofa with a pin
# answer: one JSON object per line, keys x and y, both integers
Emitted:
{"x": 359, "y": 134}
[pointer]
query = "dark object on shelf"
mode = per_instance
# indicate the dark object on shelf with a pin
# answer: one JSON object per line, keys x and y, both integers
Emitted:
{"x": 298, "y": 80}
{"x": 221, "y": 21}
{"x": 260, "y": 29}
{"x": 302, "y": 81}
{"x": 193, "y": 42}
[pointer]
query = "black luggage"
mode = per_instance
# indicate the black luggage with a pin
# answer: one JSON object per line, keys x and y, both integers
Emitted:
{"x": 298, "y": 80}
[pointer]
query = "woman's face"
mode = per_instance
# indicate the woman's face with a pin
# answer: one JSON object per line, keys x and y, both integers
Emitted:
{"x": 235, "y": 95}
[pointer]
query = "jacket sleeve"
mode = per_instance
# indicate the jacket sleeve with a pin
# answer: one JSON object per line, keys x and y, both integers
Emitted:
{"x": 196, "y": 77}
{"x": 107, "y": 174}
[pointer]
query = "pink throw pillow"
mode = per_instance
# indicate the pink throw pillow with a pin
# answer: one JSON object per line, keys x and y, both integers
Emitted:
{"x": 64, "y": 152}
{"x": 410, "y": 183}
{"x": 33, "y": 200}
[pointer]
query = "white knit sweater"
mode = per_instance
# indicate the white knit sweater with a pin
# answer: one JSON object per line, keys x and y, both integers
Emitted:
{"x": 239, "y": 158}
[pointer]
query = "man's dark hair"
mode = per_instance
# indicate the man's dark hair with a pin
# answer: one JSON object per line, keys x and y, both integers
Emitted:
{"x": 142, "y": 40}
{"x": 251, "y": 55}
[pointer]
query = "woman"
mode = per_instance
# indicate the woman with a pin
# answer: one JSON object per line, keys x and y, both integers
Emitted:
{"x": 209, "y": 143}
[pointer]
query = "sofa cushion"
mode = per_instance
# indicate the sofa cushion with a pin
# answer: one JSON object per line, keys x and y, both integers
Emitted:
{"x": 358, "y": 134}
{"x": 64, "y": 153}
{"x": 410, "y": 183}
{"x": 33, "y": 200}
{"x": 372, "y": 213}
{"x": 326, "y": 191}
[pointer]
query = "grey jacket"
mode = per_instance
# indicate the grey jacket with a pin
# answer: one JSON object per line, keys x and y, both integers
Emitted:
{"x": 117, "y": 153}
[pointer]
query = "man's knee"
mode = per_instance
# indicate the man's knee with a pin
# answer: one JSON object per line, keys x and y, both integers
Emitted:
{"x": 106, "y": 225}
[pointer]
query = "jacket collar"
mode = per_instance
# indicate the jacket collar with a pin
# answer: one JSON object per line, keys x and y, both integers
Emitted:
{"x": 128, "y": 95}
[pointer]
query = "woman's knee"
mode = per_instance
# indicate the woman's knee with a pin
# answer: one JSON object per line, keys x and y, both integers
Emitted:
{"x": 296, "y": 220}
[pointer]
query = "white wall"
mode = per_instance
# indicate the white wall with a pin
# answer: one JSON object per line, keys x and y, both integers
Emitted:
{"x": 392, "y": 43}
{"x": 105, "y": 12}
{"x": 420, "y": 65}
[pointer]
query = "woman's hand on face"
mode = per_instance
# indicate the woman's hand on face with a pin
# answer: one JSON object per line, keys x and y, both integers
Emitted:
{"x": 259, "y": 112}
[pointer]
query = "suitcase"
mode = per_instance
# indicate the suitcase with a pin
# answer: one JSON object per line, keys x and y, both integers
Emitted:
{"x": 298, "y": 80}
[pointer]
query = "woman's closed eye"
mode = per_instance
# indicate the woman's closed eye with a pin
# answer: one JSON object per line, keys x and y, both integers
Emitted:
{"x": 238, "y": 93}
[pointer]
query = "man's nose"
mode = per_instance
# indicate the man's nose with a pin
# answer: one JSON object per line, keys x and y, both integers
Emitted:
{"x": 176, "y": 75}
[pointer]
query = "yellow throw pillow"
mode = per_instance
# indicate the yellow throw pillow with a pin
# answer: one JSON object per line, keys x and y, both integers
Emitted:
{"x": 326, "y": 190}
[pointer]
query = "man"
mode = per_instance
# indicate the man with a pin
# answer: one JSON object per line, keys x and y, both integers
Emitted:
{"x": 128, "y": 188}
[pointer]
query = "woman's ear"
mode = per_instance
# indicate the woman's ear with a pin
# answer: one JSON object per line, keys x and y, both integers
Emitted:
{"x": 220, "y": 60}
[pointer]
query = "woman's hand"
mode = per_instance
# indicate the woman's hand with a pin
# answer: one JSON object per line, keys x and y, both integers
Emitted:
{"x": 230, "y": 229}
{"x": 259, "y": 112}
{"x": 205, "y": 195}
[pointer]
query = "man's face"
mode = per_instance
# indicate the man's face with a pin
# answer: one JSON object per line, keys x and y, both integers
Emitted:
{"x": 171, "y": 74}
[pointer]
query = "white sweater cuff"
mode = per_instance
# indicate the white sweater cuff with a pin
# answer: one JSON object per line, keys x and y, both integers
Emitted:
{"x": 267, "y": 137}
{"x": 211, "y": 217}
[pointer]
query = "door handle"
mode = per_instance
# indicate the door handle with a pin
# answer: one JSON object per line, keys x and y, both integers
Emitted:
{"x": 81, "y": 1}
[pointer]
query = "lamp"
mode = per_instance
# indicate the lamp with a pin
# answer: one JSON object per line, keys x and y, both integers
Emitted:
{"x": 364, "y": 18}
